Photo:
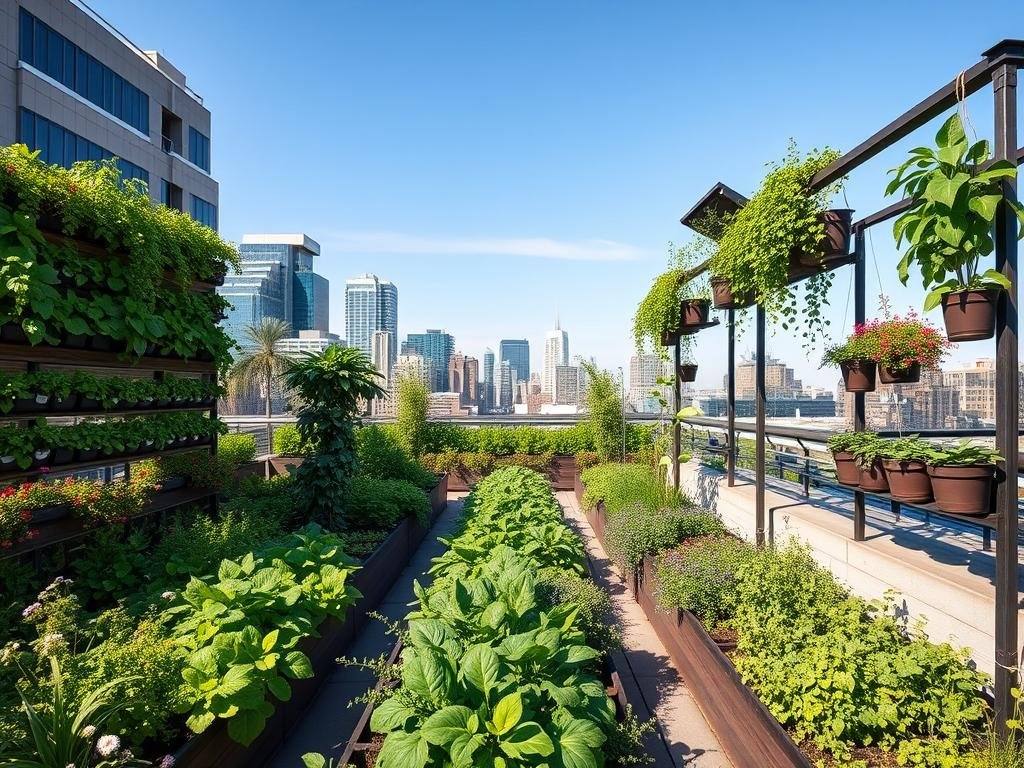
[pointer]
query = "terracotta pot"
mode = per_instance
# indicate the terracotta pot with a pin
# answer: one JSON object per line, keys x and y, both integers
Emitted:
{"x": 964, "y": 489}
{"x": 723, "y": 298}
{"x": 970, "y": 315}
{"x": 687, "y": 372}
{"x": 909, "y": 375}
{"x": 873, "y": 478}
{"x": 835, "y": 244}
{"x": 847, "y": 471}
{"x": 669, "y": 338}
{"x": 908, "y": 480}
{"x": 694, "y": 312}
{"x": 858, "y": 375}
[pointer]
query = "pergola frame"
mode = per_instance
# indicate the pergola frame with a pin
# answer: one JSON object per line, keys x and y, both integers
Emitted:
{"x": 997, "y": 67}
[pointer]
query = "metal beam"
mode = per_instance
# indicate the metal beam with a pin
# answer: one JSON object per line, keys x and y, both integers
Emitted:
{"x": 1004, "y": 86}
{"x": 859, "y": 411}
{"x": 761, "y": 402}
{"x": 677, "y": 427}
{"x": 731, "y": 402}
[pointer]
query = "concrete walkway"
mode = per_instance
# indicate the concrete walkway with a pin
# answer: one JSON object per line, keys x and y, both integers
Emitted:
{"x": 329, "y": 721}
{"x": 684, "y": 737}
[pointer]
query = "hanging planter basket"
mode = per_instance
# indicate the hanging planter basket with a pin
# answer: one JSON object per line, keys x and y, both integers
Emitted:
{"x": 873, "y": 478}
{"x": 847, "y": 471}
{"x": 963, "y": 489}
{"x": 723, "y": 297}
{"x": 687, "y": 372}
{"x": 970, "y": 315}
{"x": 694, "y": 312}
{"x": 910, "y": 375}
{"x": 908, "y": 480}
{"x": 858, "y": 375}
{"x": 835, "y": 243}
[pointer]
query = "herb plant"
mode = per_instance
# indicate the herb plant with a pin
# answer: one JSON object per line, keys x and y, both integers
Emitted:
{"x": 964, "y": 453}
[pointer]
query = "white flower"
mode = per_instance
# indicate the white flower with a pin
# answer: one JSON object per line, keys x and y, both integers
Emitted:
{"x": 107, "y": 745}
{"x": 51, "y": 642}
{"x": 70, "y": 765}
{"x": 9, "y": 651}
{"x": 167, "y": 595}
{"x": 167, "y": 761}
{"x": 89, "y": 731}
{"x": 30, "y": 610}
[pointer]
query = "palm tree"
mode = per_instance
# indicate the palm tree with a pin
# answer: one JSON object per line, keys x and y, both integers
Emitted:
{"x": 261, "y": 363}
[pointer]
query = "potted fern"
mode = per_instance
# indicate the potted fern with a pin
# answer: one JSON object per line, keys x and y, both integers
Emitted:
{"x": 676, "y": 299}
{"x": 906, "y": 469}
{"x": 768, "y": 243}
{"x": 869, "y": 455}
{"x": 948, "y": 229}
{"x": 961, "y": 477}
{"x": 842, "y": 448}
{"x": 856, "y": 358}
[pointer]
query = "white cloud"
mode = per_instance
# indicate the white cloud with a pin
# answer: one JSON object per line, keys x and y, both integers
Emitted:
{"x": 396, "y": 243}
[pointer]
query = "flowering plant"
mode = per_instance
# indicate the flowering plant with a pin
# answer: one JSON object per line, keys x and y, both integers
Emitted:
{"x": 907, "y": 341}
{"x": 861, "y": 345}
{"x": 17, "y": 504}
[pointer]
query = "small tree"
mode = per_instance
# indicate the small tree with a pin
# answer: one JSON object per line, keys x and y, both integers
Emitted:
{"x": 603, "y": 401}
{"x": 331, "y": 385}
{"x": 261, "y": 364}
{"x": 411, "y": 417}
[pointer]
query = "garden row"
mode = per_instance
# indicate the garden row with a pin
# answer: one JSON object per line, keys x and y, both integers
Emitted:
{"x": 959, "y": 478}
{"x": 200, "y": 635}
{"x": 501, "y": 663}
{"x": 767, "y": 638}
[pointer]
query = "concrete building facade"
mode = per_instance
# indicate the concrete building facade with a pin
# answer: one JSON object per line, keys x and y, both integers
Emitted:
{"x": 556, "y": 353}
{"x": 75, "y": 88}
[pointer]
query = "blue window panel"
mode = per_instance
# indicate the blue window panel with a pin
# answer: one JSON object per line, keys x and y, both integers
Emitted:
{"x": 54, "y": 64}
{"x": 108, "y": 91}
{"x": 95, "y": 84}
{"x": 68, "y": 75}
{"x": 26, "y": 37}
{"x": 27, "y": 129}
{"x": 204, "y": 212}
{"x": 81, "y": 86}
{"x": 42, "y": 140}
{"x": 199, "y": 149}
{"x": 39, "y": 50}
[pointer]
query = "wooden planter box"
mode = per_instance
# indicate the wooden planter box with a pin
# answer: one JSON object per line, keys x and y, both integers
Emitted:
{"x": 252, "y": 469}
{"x": 213, "y": 748}
{"x": 747, "y": 731}
{"x": 284, "y": 465}
{"x": 561, "y": 473}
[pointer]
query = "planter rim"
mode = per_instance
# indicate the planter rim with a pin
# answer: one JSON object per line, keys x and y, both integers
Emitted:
{"x": 939, "y": 467}
{"x": 917, "y": 463}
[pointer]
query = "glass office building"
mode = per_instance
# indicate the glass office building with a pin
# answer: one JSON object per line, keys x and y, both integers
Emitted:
{"x": 517, "y": 352}
{"x": 371, "y": 305}
{"x": 276, "y": 280}
{"x": 436, "y": 347}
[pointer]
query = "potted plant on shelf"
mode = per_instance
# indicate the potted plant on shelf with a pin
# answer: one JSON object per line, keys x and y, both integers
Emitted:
{"x": 677, "y": 298}
{"x": 948, "y": 228}
{"x": 841, "y": 447}
{"x": 905, "y": 462}
{"x": 962, "y": 476}
{"x": 857, "y": 359}
{"x": 868, "y": 454}
{"x": 905, "y": 346}
{"x": 17, "y": 448}
{"x": 17, "y": 394}
{"x": 765, "y": 244}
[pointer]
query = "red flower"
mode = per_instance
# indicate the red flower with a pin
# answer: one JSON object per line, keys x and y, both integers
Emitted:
{"x": 10, "y": 168}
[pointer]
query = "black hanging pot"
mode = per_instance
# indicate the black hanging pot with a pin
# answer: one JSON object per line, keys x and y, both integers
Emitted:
{"x": 86, "y": 454}
{"x": 63, "y": 404}
{"x": 858, "y": 375}
{"x": 687, "y": 372}
{"x": 63, "y": 456}
{"x": 74, "y": 340}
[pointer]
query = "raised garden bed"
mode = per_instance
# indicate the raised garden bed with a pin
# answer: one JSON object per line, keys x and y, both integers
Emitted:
{"x": 747, "y": 731}
{"x": 561, "y": 473}
{"x": 215, "y": 749}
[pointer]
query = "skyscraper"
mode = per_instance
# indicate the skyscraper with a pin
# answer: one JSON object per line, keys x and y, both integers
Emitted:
{"x": 567, "y": 385}
{"x": 506, "y": 385}
{"x": 489, "y": 398}
{"x": 644, "y": 371}
{"x": 463, "y": 372}
{"x": 371, "y": 305}
{"x": 383, "y": 343}
{"x": 435, "y": 346}
{"x": 556, "y": 353}
{"x": 517, "y": 352}
{"x": 276, "y": 280}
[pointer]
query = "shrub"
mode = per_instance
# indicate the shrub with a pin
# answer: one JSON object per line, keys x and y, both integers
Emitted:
{"x": 236, "y": 449}
{"x": 288, "y": 442}
{"x": 109, "y": 565}
{"x": 381, "y": 457}
{"x": 587, "y": 459}
{"x": 619, "y": 485}
{"x": 637, "y": 531}
{"x": 595, "y": 616}
{"x": 700, "y": 576}
{"x": 605, "y": 407}
{"x": 383, "y": 504}
{"x": 411, "y": 417}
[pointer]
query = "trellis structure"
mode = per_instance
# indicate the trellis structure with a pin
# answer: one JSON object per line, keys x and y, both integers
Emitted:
{"x": 998, "y": 68}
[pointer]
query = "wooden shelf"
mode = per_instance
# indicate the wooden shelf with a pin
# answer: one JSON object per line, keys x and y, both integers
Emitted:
{"x": 689, "y": 330}
{"x": 989, "y": 521}
{"x": 44, "y": 353}
{"x": 102, "y": 412}
{"x": 9, "y": 478}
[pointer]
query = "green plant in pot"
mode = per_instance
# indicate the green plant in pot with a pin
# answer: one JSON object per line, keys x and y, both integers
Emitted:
{"x": 686, "y": 370}
{"x": 17, "y": 448}
{"x": 868, "y": 455}
{"x": 677, "y": 298}
{"x": 856, "y": 358}
{"x": 962, "y": 477}
{"x": 905, "y": 463}
{"x": 948, "y": 229}
{"x": 766, "y": 243}
{"x": 842, "y": 447}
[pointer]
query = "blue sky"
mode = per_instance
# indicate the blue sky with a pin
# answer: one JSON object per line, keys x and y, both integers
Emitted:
{"x": 504, "y": 161}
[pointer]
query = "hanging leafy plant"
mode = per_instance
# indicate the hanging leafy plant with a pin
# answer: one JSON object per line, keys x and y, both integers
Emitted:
{"x": 658, "y": 311}
{"x": 948, "y": 229}
{"x": 782, "y": 219}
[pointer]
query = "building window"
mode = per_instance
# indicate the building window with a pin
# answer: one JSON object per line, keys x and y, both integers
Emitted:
{"x": 170, "y": 194}
{"x": 59, "y": 146}
{"x": 199, "y": 149}
{"x": 62, "y": 60}
{"x": 204, "y": 212}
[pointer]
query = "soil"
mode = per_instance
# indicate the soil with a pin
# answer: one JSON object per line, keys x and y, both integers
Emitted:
{"x": 724, "y": 635}
{"x": 367, "y": 758}
{"x": 873, "y": 756}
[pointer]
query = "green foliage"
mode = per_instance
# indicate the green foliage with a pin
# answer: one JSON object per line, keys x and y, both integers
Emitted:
{"x": 948, "y": 229}
{"x": 361, "y": 544}
{"x": 383, "y": 504}
{"x": 700, "y": 576}
{"x": 603, "y": 400}
{"x": 411, "y": 413}
{"x": 843, "y": 672}
{"x": 596, "y": 617}
{"x": 619, "y": 485}
{"x": 781, "y": 218}
{"x": 658, "y": 311}
{"x": 288, "y": 442}
{"x": 331, "y": 385}
{"x": 110, "y": 563}
{"x": 382, "y": 457}
{"x": 637, "y": 530}
{"x": 236, "y": 449}
{"x": 241, "y": 627}
{"x": 848, "y": 441}
{"x": 261, "y": 363}
{"x": 506, "y": 441}
{"x": 964, "y": 453}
